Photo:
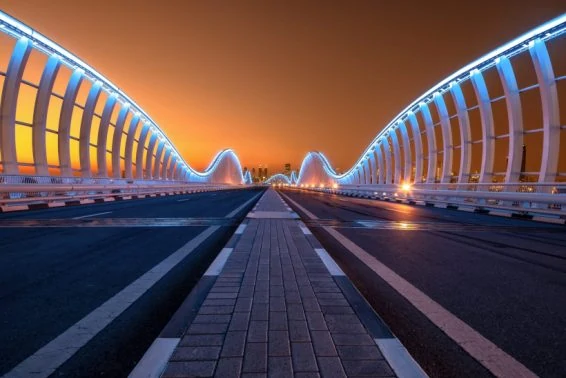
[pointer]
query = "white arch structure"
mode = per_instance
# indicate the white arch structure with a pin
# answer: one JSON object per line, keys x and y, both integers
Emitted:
{"x": 419, "y": 145}
{"x": 121, "y": 144}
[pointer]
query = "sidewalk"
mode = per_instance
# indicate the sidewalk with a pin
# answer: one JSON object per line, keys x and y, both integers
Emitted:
{"x": 275, "y": 310}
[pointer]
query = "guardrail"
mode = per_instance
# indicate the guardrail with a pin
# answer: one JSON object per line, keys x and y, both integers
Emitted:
{"x": 18, "y": 190}
{"x": 520, "y": 197}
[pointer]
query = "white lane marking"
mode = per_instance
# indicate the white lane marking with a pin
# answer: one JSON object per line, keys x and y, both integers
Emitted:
{"x": 240, "y": 229}
{"x": 329, "y": 262}
{"x": 155, "y": 359}
{"x": 494, "y": 359}
{"x": 55, "y": 353}
{"x": 305, "y": 230}
{"x": 216, "y": 267}
{"x": 91, "y": 215}
{"x": 399, "y": 358}
{"x": 184, "y": 199}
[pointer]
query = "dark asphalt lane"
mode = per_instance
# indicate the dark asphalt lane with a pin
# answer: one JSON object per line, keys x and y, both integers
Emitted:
{"x": 52, "y": 277}
{"x": 510, "y": 285}
{"x": 169, "y": 206}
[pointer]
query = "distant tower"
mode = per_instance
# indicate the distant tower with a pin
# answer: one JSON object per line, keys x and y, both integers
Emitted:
{"x": 287, "y": 169}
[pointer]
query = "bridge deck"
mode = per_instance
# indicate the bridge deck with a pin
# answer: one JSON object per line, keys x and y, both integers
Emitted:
{"x": 276, "y": 310}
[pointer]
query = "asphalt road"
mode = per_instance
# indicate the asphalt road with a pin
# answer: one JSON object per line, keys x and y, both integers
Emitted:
{"x": 52, "y": 276}
{"x": 506, "y": 278}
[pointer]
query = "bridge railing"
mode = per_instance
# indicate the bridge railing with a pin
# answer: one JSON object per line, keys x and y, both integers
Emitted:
{"x": 521, "y": 197}
{"x": 16, "y": 190}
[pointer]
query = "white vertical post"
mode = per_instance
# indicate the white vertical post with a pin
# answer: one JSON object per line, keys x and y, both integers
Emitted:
{"x": 86, "y": 123}
{"x": 40, "y": 114}
{"x": 388, "y": 167}
{"x": 171, "y": 170}
{"x": 397, "y": 155}
{"x": 465, "y": 133}
{"x": 373, "y": 165}
{"x": 550, "y": 111}
{"x": 406, "y": 152}
{"x": 103, "y": 135}
{"x": 117, "y": 141}
{"x": 515, "y": 117}
{"x": 417, "y": 141}
{"x": 488, "y": 136}
{"x": 431, "y": 142}
{"x": 447, "y": 145}
{"x": 166, "y": 159}
{"x": 380, "y": 165}
{"x": 149, "y": 155}
{"x": 367, "y": 171}
{"x": 158, "y": 157}
{"x": 140, "y": 150}
{"x": 64, "y": 136}
{"x": 9, "y": 103}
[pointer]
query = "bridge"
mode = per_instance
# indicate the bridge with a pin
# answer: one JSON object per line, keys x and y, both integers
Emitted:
{"x": 440, "y": 252}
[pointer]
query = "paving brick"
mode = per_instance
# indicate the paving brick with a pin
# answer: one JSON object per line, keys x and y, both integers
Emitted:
{"x": 278, "y": 321}
{"x": 331, "y": 367}
{"x": 240, "y": 321}
{"x": 279, "y": 344}
{"x": 336, "y": 310}
{"x": 316, "y": 321}
{"x": 207, "y": 328}
{"x": 255, "y": 358}
{"x": 303, "y": 357}
{"x": 257, "y": 331}
{"x": 277, "y": 304}
{"x": 280, "y": 367}
{"x": 323, "y": 344}
{"x": 196, "y": 353}
{"x": 228, "y": 368}
{"x": 298, "y": 330}
{"x": 216, "y": 310}
{"x": 368, "y": 368}
{"x": 307, "y": 375}
{"x": 295, "y": 312}
{"x": 243, "y": 304}
{"x": 359, "y": 352}
{"x": 352, "y": 339}
{"x": 234, "y": 344}
{"x": 219, "y": 302}
{"x": 189, "y": 369}
{"x": 201, "y": 340}
{"x": 222, "y": 295}
{"x": 212, "y": 319}
{"x": 260, "y": 311}
{"x": 332, "y": 302}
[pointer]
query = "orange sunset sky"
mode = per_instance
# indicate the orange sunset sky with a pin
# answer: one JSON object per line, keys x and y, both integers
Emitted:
{"x": 276, "y": 79}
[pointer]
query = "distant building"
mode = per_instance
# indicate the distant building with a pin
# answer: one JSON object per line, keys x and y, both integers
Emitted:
{"x": 287, "y": 169}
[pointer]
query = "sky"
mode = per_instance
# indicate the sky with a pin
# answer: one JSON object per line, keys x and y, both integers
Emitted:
{"x": 276, "y": 79}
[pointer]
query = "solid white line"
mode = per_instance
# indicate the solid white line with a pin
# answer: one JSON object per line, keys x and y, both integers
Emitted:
{"x": 216, "y": 267}
{"x": 329, "y": 262}
{"x": 399, "y": 358}
{"x": 91, "y": 215}
{"x": 240, "y": 229}
{"x": 54, "y": 354}
{"x": 155, "y": 359}
{"x": 184, "y": 199}
{"x": 494, "y": 359}
{"x": 305, "y": 230}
